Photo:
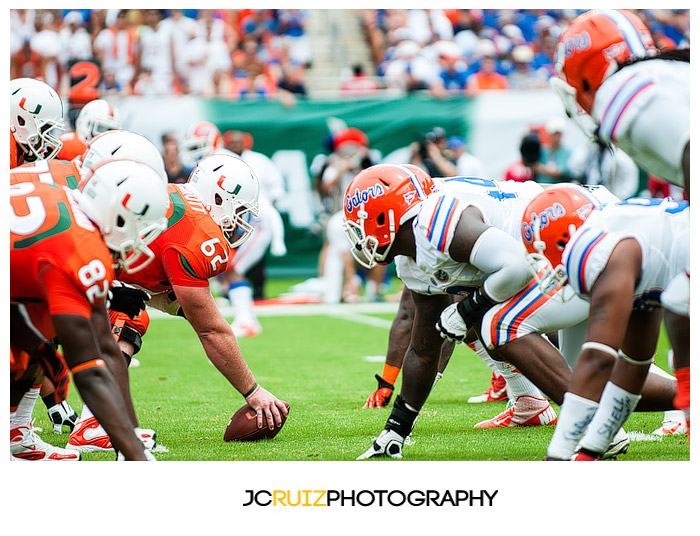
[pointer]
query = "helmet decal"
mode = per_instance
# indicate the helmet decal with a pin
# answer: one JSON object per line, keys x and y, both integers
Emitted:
{"x": 35, "y": 111}
{"x": 352, "y": 201}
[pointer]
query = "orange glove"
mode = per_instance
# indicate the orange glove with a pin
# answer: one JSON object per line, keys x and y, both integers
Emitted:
{"x": 381, "y": 397}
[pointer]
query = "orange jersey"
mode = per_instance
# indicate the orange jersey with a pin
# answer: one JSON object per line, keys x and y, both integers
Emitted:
{"x": 73, "y": 145}
{"x": 58, "y": 261}
{"x": 54, "y": 172}
{"x": 15, "y": 156}
{"x": 189, "y": 252}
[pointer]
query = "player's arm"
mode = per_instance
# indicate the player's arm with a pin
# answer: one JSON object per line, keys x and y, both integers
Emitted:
{"x": 611, "y": 297}
{"x": 423, "y": 355}
{"x": 493, "y": 252}
{"x": 112, "y": 355}
{"x": 222, "y": 349}
{"x": 399, "y": 338}
{"x": 95, "y": 382}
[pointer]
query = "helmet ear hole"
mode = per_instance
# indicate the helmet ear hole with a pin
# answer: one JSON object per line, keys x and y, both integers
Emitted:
{"x": 218, "y": 200}
{"x": 381, "y": 218}
{"x": 120, "y": 222}
{"x": 586, "y": 85}
{"x": 561, "y": 244}
{"x": 20, "y": 121}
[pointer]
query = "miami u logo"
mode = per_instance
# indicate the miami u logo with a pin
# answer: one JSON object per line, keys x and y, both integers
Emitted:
{"x": 220, "y": 184}
{"x": 34, "y": 112}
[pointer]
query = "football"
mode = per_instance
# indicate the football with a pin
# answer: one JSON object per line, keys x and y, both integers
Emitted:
{"x": 243, "y": 426}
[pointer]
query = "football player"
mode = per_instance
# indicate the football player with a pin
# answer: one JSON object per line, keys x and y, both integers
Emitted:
{"x": 207, "y": 219}
{"x": 461, "y": 239}
{"x": 109, "y": 145}
{"x": 637, "y": 96}
{"x": 65, "y": 246}
{"x": 95, "y": 117}
{"x": 36, "y": 121}
{"x": 619, "y": 257}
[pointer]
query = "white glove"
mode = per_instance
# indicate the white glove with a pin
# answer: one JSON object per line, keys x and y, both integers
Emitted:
{"x": 451, "y": 325}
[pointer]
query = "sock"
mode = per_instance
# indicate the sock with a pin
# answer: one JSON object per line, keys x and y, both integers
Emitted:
{"x": 574, "y": 417}
{"x": 25, "y": 408}
{"x": 402, "y": 418}
{"x": 518, "y": 384}
{"x": 50, "y": 400}
{"x": 682, "y": 400}
{"x": 614, "y": 408}
{"x": 85, "y": 413}
{"x": 241, "y": 296}
{"x": 479, "y": 349}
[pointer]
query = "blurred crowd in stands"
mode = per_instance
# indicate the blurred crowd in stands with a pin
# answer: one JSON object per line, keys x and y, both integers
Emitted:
{"x": 465, "y": 51}
{"x": 235, "y": 53}
{"x": 265, "y": 53}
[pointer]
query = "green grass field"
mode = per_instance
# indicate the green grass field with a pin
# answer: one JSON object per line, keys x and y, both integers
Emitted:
{"x": 317, "y": 364}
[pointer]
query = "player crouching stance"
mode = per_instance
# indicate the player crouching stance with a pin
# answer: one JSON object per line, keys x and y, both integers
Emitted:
{"x": 65, "y": 248}
{"x": 207, "y": 219}
{"x": 443, "y": 238}
{"x": 620, "y": 257}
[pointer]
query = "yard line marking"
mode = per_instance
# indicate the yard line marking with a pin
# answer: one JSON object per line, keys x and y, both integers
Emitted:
{"x": 363, "y": 319}
{"x": 310, "y": 309}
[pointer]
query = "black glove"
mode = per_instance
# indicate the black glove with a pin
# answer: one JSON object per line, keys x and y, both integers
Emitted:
{"x": 128, "y": 300}
{"x": 473, "y": 308}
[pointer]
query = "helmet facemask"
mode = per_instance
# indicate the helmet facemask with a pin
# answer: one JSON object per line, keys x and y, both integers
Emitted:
{"x": 44, "y": 144}
{"x": 365, "y": 248}
{"x": 549, "y": 278}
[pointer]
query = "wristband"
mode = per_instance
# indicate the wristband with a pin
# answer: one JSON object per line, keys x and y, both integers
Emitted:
{"x": 250, "y": 392}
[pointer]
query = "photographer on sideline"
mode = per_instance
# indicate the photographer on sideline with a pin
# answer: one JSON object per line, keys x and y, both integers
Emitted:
{"x": 430, "y": 154}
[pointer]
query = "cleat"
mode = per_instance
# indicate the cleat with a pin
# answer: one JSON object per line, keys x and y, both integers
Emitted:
{"x": 26, "y": 445}
{"x": 672, "y": 426}
{"x": 389, "y": 443}
{"x": 496, "y": 392}
{"x": 147, "y": 437}
{"x": 527, "y": 411}
{"x": 89, "y": 436}
{"x": 243, "y": 330}
{"x": 585, "y": 457}
{"x": 619, "y": 445}
{"x": 553, "y": 459}
{"x": 62, "y": 415}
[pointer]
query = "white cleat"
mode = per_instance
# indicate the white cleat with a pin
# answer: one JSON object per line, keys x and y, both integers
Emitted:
{"x": 26, "y": 445}
{"x": 618, "y": 445}
{"x": 249, "y": 329}
{"x": 389, "y": 443}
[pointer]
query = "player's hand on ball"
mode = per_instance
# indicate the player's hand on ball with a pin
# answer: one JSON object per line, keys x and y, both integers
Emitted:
{"x": 270, "y": 410}
{"x": 451, "y": 325}
{"x": 381, "y": 397}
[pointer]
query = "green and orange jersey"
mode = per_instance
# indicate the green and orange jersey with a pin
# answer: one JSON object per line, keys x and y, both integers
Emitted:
{"x": 73, "y": 145}
{"x": 190, "y": 251}
{"x": 53, "y": 172}
{"x": 59, "y": 263}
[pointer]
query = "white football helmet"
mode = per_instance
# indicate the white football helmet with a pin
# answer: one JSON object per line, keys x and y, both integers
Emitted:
{"x": 201, "y": 140}
{"x": 229, "y": 189}
{"x": 127, "y": 200}
{"x": 36, "y": 118}
{"x": 123, "y": 144}
{"x": 96, "y": 117}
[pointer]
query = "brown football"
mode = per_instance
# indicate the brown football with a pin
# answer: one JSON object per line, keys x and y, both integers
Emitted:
{"x": 243, "y": 426}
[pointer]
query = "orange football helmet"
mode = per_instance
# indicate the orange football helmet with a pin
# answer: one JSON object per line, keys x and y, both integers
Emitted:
{"x": 549, "y": 222}
{"x": 377, "y": 201}
{"x": 201, "y": 139}
{"x": 595, "y": 44}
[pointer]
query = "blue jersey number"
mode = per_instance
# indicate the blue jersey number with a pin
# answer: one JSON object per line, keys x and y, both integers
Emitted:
{"x": 670, "y": 206}
{"x": 492, "y": 188}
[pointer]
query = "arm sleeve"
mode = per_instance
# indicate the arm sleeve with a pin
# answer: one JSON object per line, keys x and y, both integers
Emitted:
{"x": 500, "y": 255}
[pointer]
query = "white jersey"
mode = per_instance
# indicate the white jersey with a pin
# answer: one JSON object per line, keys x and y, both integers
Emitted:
{"x": 433, "y": 271}
{"x": 644, "y": 109}
{"x": 660, "y": 226}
